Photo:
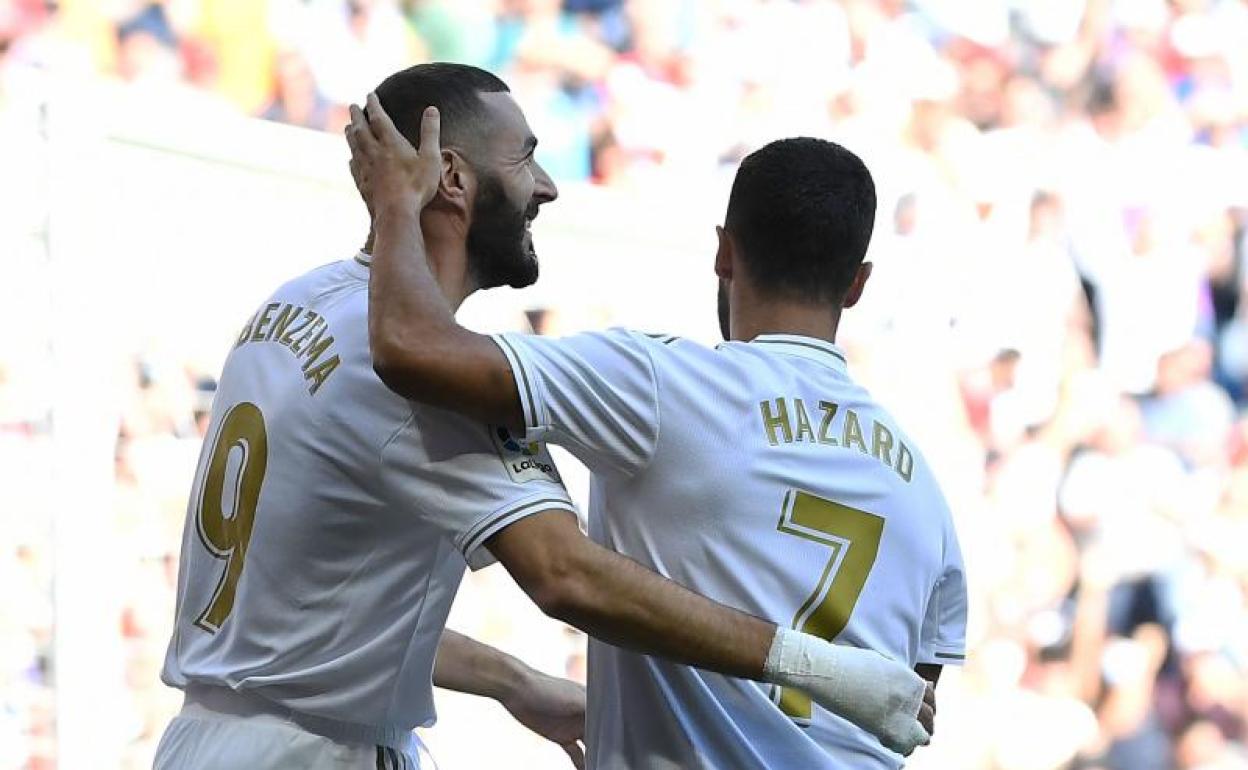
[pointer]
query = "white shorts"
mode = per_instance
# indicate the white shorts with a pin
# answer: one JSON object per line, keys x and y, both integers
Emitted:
{"x": 218, "y": 734}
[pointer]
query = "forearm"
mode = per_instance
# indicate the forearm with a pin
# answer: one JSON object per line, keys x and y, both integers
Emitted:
{"x": 466, "y": 665}
{"x": 618, "y": 601}
{"x": 409, "y": 319}
{"x": 419, "y": 350}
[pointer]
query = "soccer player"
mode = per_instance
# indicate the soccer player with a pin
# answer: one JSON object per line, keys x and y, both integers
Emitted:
{"x": 757, "y": 473}
{"x": 331, "y": 520}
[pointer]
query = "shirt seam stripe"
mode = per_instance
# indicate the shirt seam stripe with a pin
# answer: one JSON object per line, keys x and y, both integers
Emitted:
{"x": 475, "y": 532}
{"x": 524, "y": 378}
{"x": 832, "y": 353}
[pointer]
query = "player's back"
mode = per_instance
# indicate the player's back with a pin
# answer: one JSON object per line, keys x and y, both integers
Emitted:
{"x": 316, "y": 572}
{"x": 760, "y": 475}
{"x": 779, "y": 486}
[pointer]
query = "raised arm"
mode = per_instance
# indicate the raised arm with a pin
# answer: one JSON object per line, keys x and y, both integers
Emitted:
{"x": 419, "y": 350}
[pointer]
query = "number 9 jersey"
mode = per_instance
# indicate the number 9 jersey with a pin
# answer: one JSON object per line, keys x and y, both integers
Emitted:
{"x": 761, "y": 476}
{"x": 331, "y": 520}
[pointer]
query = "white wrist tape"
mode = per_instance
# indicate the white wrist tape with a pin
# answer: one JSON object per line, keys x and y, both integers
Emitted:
{"x": 879, "y": 695}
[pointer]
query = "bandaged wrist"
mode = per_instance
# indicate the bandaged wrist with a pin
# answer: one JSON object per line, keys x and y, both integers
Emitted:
{"x": 875, "y": 693}
{"x": 796, "y": 658}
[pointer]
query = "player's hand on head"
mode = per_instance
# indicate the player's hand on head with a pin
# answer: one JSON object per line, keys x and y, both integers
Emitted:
{"x": 554, "y": 709}
{"x": 386, "y": 168}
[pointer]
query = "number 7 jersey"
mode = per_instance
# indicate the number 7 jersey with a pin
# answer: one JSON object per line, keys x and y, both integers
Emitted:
{"x": 760, "y": 475}
{"x": 330, "y": 521}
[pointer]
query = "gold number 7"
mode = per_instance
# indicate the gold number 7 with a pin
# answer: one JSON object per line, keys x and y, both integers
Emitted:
{"x": 854, "y": 537}
{"x": 225, "y": 536}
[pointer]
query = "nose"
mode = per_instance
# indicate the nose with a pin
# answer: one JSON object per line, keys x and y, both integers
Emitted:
{"x": 545, "y": 190}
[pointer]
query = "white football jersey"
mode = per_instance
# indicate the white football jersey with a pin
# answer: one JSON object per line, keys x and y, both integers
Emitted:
{"x": 760, "y": 475}
{"x": 330, "y": 520}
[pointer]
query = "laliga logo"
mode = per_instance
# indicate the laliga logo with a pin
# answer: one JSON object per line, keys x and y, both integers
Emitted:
{"x": 529, "y": 462}
{"x": 511, "y": 444}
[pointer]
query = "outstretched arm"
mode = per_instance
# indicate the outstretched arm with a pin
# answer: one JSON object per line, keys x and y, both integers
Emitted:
{"x": 551, "y": 707}
{"x": 618, "y": 601}
{"x": 419, "y": 350}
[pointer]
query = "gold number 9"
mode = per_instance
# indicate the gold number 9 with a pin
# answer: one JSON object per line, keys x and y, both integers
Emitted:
{"x": 226, "y": 531}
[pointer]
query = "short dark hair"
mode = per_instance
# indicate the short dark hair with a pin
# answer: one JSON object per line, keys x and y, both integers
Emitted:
{"x": 455, "y": 89}
{"x": 801, "y": 213}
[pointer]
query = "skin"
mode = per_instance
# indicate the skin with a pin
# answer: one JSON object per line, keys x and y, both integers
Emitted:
{"x": 419, "y": 351}
{"x": 506, "y": 154}
{"x": 554, "y": 708}
{"x": 551, "y": 707}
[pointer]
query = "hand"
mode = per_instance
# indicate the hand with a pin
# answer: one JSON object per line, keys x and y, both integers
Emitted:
{"x": 883, "y": 697}
{"x": 927, "y": 712}
{"x": 876, "y": 693}
{"x": 387, "y": 170}
{"x": 554, "y": 709}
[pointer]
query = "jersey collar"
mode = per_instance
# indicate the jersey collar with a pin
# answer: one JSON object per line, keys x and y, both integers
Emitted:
{"x": 812, "y": 348}
{"x": 359, "y": 266}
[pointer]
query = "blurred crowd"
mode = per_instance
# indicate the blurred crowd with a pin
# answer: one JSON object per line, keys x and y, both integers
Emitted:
{"x": 1059, "y": 311}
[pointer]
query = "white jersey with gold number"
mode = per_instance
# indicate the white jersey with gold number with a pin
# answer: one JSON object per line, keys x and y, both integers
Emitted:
{"x": 330, "y": 520}
{"x": 760, "y": 475}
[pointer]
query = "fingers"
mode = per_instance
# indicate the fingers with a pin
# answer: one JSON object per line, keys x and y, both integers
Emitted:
{"x": 927, "y": 711}
{"x": 359, "y": 124}
{"x": 431, "y": 133}
{"x": 352, "y": 143}
{"x": 914, "y": 725}
{"x": 913, "y": 737}
{"x": 575, "y": 753}
{"x": 359, "y": 137}
{"x": 382, "y": 128}
{"x": 927, "y": 718}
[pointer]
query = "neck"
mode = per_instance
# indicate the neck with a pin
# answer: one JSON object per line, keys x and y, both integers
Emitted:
{"x": 783, "y": 317}
{"x": 448, "y": 261}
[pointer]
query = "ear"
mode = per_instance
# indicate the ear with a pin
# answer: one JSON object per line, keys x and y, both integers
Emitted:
{"x": 856, "y": 286}
{"x": 458, "y": 181}
{"x": 723, "y": 254}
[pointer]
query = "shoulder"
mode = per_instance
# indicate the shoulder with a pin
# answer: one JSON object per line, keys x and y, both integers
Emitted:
{"x": 660, "y": 345}
{"x": 670, "y": 356}
{"x": 329, "y": 291}
{"x": 607, "y": 347}
{"x": 320, "y": 280}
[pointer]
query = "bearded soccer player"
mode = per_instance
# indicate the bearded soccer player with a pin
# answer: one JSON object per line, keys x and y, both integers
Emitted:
{"x": 331, "y": 520}
{"x": 757, "y": 473}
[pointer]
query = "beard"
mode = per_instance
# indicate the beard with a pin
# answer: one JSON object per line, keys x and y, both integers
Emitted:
{"x": 500, "y": 248}
{"x": 724, "y": 312}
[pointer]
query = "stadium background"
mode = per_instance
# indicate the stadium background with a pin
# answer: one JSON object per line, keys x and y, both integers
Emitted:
{"x": 1058, "y": 314}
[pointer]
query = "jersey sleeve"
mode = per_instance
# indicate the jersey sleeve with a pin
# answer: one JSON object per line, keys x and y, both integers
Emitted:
{"x": 596, "y": 394}
{"x": 469, "y": 480}
{"x": 943, "y": 638}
